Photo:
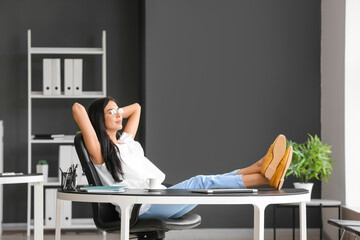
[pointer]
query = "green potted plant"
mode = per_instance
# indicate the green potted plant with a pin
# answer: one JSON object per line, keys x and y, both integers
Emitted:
{"x": 43, "y": 167}
{"x": 311, "y": 159}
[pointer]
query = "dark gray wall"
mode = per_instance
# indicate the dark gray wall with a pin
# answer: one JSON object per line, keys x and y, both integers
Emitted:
{"x": 59, "y": 23}
{"x": 222, "y": 79}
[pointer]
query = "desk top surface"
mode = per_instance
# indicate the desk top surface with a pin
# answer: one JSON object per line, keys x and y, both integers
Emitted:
{"x": 20, "y": 175}
{"x": 21, "y": 178}
{"x": 188, "y": 193}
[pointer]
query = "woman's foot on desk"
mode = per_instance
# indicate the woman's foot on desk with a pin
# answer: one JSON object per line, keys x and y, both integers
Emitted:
{"x": 273, "y": 157}
{"x": 271, "y": 169}
{"x": 278, "y": 179}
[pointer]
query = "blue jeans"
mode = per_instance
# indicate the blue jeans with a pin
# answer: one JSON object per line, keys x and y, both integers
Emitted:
{"x": 227, "y": 180}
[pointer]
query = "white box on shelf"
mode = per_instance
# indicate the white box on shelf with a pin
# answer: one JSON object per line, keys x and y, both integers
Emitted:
{"x": 47, "y": 76}
{"x": 81, "y": 178}
{"x": 78, "y": 76}
{"x": 65, "y": 159}
{"x": 66, "y": 213}
{"x": 69, "y": 76}
{"x": 56, "y": 76}
{"x": 50, "y": 209}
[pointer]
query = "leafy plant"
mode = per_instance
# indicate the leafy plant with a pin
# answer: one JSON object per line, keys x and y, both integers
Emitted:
{"x": 310, "y": 160}
{"x": 42, "y": 162}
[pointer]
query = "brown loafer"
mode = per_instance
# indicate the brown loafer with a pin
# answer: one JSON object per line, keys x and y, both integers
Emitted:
{"x": 277, "y": 180}
{"x": 273, "y": 157}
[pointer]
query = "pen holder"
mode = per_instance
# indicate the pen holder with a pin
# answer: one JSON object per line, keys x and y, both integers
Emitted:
{"x": 68, "y": 180}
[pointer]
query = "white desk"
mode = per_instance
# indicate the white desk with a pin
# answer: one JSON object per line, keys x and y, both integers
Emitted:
{"x": 37, "y": 179}
{"x": 126, "y": 199}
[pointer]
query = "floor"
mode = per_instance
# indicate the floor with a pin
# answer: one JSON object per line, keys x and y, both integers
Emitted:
{"x": 194, "y": 234}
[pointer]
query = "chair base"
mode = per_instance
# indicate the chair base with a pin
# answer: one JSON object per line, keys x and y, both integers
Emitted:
{"x": 151, "y": 235}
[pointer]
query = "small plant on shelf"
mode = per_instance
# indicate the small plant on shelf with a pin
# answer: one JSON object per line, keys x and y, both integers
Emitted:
{"x": 43, "y": 167}
{"x": 42, "y": 162}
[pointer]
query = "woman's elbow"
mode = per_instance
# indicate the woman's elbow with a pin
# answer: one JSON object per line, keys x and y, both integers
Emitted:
{"x": 76, "y": 108}
{"x": 138, "y": 107}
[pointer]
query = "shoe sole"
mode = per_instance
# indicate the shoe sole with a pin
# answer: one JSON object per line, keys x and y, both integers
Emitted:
{"x": 278, "y": 153}
{"x": 288, "y": 161}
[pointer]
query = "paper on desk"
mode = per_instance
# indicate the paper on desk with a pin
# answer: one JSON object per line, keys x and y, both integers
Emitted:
{"x": 103, "y": 188}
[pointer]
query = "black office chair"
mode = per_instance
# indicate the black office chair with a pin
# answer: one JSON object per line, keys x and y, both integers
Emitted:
{"x": 107, "y": 219}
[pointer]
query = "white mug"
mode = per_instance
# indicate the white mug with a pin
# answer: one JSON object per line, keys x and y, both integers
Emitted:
{"x": 154, "y": 183}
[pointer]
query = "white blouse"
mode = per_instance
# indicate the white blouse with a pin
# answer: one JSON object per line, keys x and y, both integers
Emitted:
{"x": 135, "y": 166}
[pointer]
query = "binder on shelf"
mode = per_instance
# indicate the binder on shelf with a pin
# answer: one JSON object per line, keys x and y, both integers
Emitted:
{"x": 56, "y": 76}
{"x": 66, "y": 213}
{"x": 50, "y": 209}
{"x": 47, "y": 76}
{"x": 68, "y": 76}
{"x": 78, "y": 76}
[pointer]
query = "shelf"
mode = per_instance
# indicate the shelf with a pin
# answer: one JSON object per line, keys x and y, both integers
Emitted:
{"x": 61, "y": 50}
{"x": 55, "y": 182}
{"x": 66, "y": 139}
{"x": 86, "y": 94}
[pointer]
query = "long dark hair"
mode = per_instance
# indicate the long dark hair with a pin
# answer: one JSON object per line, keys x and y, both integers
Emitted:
{"x": 109, "y": 150}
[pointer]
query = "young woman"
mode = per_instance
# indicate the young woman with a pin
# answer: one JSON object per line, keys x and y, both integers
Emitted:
{"x": 120, "y": 160}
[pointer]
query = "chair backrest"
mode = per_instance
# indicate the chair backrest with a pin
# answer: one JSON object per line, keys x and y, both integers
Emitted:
{"x": 86, "y": 162}
{"x": 104, "y": 214}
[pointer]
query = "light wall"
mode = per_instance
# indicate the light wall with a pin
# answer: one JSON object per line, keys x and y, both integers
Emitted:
{"x": 332, "y": 93}
{"x": 340, "y": 73}
{"x": 352, "y": 100}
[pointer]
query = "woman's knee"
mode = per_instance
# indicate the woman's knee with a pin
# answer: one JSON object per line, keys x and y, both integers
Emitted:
{"x": 200, "y": 181}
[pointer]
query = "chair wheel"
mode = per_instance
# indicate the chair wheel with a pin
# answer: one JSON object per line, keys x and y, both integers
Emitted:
{"x": 151, "y": 235}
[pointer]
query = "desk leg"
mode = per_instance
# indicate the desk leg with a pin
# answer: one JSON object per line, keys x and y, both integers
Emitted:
{"x": 339, "y": 216}
{"x": 38, "y": 211}
{"x": 321, "y": 220}
{"x": 125, "y": 221}
{"x": 1, "y": 208}
{"x": 274, "y": 220}
{"x": 58, "y": 219}
{"x": 259, "y": 212}
{"x": 302, "y": 214}
{"x": 293, "y": 222}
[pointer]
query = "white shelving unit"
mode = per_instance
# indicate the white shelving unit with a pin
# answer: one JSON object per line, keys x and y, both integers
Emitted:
{"x": 81, "y": 223}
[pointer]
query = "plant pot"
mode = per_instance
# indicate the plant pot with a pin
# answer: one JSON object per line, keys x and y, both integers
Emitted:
{"x": 44, "y": 169}
{"x": 307, "y": 186}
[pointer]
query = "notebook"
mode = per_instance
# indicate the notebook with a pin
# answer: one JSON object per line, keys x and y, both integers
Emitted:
{"x": 225, "y": 190}
{"x": 103, "y": 188}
